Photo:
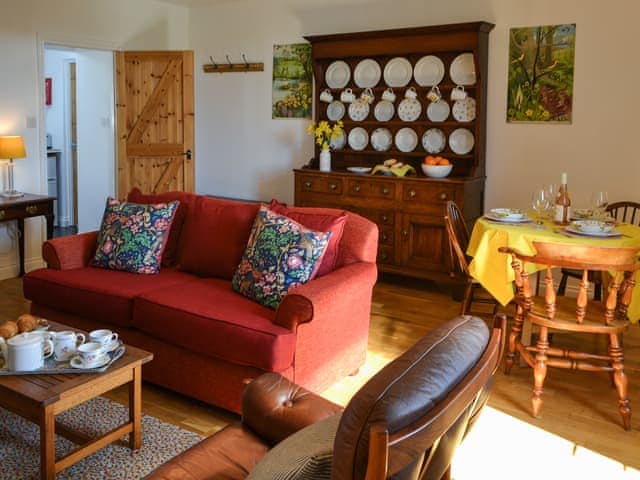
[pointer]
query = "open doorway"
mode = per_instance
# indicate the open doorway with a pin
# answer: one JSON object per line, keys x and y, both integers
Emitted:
{"x": 79, "y": 122}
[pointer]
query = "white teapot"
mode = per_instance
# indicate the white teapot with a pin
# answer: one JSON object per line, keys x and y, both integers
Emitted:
{"x": 26, "y": 352}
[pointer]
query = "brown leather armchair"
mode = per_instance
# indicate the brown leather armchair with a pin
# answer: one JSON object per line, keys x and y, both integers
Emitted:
{"x": 405, "y": 423}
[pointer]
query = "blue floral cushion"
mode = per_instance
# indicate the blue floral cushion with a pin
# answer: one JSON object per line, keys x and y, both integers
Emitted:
{"x": 133, "y": 236}
{"x": 280, "y": 254}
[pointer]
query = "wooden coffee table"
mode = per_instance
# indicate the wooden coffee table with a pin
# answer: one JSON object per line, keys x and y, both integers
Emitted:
{"x": 39, "y": 398}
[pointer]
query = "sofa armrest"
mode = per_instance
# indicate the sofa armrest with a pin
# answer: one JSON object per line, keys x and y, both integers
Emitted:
{"x": 274, "y": 407}
{"x": 71, "y": 251}
{"x": 333, "y": 291}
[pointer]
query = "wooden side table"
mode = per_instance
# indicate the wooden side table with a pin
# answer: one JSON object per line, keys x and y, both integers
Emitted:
{"x": 25, "y": 207}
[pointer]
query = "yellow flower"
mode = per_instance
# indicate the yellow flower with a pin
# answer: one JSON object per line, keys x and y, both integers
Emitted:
{"x": 528, "y": 113}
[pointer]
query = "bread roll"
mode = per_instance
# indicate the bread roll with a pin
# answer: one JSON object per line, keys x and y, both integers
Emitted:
{"x": 8, "y": 329}
{"x": 27, "y": 323}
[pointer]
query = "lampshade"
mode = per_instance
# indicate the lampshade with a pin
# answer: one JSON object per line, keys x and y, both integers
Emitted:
{"x": 12, "y": 147}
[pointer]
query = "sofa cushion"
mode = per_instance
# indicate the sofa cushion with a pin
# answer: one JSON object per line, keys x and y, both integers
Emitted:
{"x": 280, "y": 254}
{"x": 214, "y": 236}
{"x": 322, "y": 222}
{"x": 207, "y": 317}
{"x": 103, "y": 295}
{"x": 186, "y": 201}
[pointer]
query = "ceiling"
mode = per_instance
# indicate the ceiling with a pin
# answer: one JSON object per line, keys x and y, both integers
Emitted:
{"x": 197, "y": 3}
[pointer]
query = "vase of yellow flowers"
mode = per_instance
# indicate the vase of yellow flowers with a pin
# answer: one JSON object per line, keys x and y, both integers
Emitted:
{"x": 325, "y": 134}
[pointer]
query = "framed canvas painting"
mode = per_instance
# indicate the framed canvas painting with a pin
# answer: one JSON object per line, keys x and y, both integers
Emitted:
{"x": 292, "y": 88}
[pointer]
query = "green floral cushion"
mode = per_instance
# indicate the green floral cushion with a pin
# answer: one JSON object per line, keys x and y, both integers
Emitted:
{"x": 280, "y": 254}
{"x": 133, "y": 236}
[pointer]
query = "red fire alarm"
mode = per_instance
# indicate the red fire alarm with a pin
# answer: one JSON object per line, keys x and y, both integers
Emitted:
{"x": 47, "y": 91}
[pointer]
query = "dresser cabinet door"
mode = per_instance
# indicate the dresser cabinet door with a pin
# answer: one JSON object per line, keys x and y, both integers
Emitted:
{"x": 423, "y": 243}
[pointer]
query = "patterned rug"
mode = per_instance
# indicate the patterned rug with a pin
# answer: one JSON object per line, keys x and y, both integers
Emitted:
{"x": 20, "y": 443}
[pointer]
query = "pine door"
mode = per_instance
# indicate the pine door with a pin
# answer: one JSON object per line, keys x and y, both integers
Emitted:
{"x": 155, "y": 121}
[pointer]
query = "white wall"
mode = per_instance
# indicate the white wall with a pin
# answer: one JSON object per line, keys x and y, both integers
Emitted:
{"x": 139, "y": 24}
{"x": 242, "y": 152}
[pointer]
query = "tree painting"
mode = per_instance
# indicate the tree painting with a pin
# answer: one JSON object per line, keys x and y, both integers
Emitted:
{"x": 292, "y": 91}
{"x": 541, "y": 73}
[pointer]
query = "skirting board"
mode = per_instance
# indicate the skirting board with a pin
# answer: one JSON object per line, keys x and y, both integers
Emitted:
{"x": 11, "y": 270}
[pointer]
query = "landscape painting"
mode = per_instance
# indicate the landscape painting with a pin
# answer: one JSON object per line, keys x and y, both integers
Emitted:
{"x": 292, "y": 89}
{"x": 541, "y": 63}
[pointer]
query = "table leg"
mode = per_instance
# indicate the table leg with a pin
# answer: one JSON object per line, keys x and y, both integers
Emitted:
{"x": 50, "y": 219}
{"x": 21, "y": 244}
{"x": 47, "y": 444}
{"x": 135, "y": 409}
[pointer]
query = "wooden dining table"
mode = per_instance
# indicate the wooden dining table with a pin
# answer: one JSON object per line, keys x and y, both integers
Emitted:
{"x": 493, "y": 269}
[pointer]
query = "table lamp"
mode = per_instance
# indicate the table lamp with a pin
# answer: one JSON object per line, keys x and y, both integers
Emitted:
{"x": 11, "y": 147}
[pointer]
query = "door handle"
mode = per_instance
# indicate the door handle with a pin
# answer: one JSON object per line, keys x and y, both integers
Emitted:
{"x": 187, "y": 154}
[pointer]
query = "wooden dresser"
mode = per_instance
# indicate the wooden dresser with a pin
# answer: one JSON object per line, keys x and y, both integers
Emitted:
{"x": 408, "y": 210}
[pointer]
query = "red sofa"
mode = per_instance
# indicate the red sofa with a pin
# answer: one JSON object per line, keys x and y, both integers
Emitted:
{"x": 206, "y": 338}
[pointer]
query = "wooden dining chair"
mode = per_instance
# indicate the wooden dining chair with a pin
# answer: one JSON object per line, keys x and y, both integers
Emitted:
{"x": 574, "y": 315}
{"x": 626, "y": 212}
{"x": 458, "y": 243}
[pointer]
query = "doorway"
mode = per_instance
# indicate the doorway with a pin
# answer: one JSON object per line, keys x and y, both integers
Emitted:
{"x": 79, "y": 124}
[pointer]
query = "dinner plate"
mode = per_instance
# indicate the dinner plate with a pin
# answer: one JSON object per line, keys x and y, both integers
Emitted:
{"x": 507, "y": 213}
{"x": 576, "y": 231}
{"x": 438, "y": 111}
{"x": 493, "y": 218}
{"x": 461, "y": 141}
{"x": 338, "y": 142}
{"x": 398, "y": 72}
{"x": 462, "y": 70}
{"x": 381, "y": 139}
{"x": 335, "y": 110}
{"x": 359, "y": 170}
{"x": 592, "y": 227}
{"x": 409, "y": 110}
{"x": 434, "y": 140}
{"x": 428, "y": 71}
{"x": 367, "y": 73}
{"x": 464, "y": 110}
{"x": 384, "y": 111}
{"x": 358, "y": 138}
{"x": 359, "y": 110}
{"x": 406, "y": 139}
{"x": 338, "y": 74}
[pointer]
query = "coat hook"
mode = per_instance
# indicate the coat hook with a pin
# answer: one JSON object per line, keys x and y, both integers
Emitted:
{"x": 245, "y": 60}
{"x": 229, "y": 61}
{"x": 215, "y": 65}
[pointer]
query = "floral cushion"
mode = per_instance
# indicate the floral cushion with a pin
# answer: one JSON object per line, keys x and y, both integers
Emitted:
{"x": 280, "y": 254}
{"x": 133, "y": 236}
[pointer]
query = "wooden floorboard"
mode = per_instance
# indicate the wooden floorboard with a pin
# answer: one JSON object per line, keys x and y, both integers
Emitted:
{"x": 578, "y": 406}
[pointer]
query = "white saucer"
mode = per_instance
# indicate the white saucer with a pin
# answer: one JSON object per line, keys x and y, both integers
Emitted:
{"x": 76, "y": 362}
{"x": 112, "y": 346}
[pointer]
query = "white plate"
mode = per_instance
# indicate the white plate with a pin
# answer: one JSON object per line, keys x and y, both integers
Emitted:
{"x": 338, "y": 142}
{"x": 434, "y": 140}
{"x": 358, "y": 138}
{"x": 438, "y": 111}
{"x": 381, "y": 139}
{"x": 409, "y": 110}
{"x": 462, "y": 70}
{"x": 507, "y": 213}
{"x": 338, "y": 74}
{"x": 358, "y": 110}
{"x": 384, "y": 111}
{"x": 461, "y": 141}
{"x": 359, "y": 170}
{"x": 429, "y": 71}
{"x": 102, "y": 360}
{"x": 367, "y": 73}
{"x": 494, "y": 218}
{"x": 464, "y": 110}
{"x": 576, "y": 231}
{"x": 398, "y": 72}
{"x": 335, "y": 110}
{"x": 406, "y": 139}
{"x": 591, "y": 227}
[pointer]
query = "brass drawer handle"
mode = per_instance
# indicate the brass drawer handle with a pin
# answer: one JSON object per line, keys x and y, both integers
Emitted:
{"x": 31, "y": 209}
{"x": 333, "y": 186}
{"x": 2, "y": 214}
{"x": 385, "y": 190}
{"x": 405, "y": 233}
{"x": 384, "y": 256}
{"x": 384, "y": 237}
{"x": 412, "y": 193}
{"x": 443, "y": 196}
{"x": 356, "y": 188}
{"x": 385, "y": 219}
{"x": 307, "y": 184}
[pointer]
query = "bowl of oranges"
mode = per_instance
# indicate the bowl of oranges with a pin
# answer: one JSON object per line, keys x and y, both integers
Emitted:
{"x": 436, "y": 167}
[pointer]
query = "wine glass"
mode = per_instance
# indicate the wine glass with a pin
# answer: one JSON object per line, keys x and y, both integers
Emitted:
{"x": 552, "y": 190}
{"x": 540, "y": 202}
{"x": 599, "y": 202}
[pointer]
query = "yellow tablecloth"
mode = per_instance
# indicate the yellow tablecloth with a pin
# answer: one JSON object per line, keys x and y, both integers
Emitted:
{"x": 493, "y": 269}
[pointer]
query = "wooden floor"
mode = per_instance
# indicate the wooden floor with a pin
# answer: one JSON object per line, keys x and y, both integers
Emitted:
{"x": 578, "y": 406}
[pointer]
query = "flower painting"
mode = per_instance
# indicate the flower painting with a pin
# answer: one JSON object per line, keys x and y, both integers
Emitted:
{"x": 541, "y": 73}
{"x": 292, "y": 91}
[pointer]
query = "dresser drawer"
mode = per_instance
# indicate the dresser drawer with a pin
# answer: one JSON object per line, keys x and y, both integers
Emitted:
{"x": 26, "y": 210}
{"x": 378, "y": 189}
{"x": 386, "y": 235}
{"x": 332, "y": 186}
{"x": 385, "y": 254}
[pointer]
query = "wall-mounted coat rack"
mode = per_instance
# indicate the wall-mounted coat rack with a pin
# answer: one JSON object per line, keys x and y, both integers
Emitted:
{"x": 229, "y": 66}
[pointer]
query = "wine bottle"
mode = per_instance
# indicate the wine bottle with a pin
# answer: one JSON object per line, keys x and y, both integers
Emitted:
{"x": 563, "y": 203}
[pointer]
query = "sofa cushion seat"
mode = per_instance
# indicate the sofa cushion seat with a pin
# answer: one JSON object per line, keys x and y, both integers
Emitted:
{"x": 102, "y": 295}
{"x": 207, "y": 317}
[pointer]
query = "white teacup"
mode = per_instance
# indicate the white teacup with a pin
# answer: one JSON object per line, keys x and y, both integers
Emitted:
{"x": 458, "y": 93}
{"x": 104, "y": 337}
{"x": 367, "y": 95}
{"x": 434, "y": 94}
{"x": 326, "y": 96}
{"x": 65, "y": 344}
{"x": 411, "y": 93}
{"x": 389, "y": 95}
{"x": 347, "y": 96}
{"x": 90, "y": 353}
